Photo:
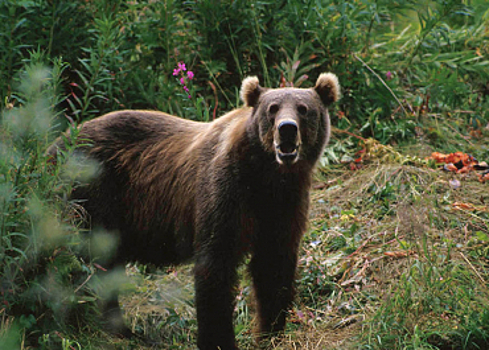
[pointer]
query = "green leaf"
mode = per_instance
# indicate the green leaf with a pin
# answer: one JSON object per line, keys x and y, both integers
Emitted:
{"x": 482, "y": 236}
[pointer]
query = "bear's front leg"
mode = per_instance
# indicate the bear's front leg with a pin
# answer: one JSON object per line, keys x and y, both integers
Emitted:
{"x": 113, "y": 318}
{"x": 273, "y": 269}
{"x": 215, "y": 277}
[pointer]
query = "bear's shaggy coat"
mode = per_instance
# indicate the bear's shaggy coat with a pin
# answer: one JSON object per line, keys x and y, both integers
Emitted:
{"x": 172, "y": 190}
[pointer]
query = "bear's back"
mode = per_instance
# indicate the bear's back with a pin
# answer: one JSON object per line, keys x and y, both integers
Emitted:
{"x": 151, "y": 164}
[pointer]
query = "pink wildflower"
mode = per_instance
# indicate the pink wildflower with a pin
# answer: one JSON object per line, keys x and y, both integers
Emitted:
{"x": 179, "y": 71}
{"x": 388, "y": 75}
{"x": 181, "y": 66}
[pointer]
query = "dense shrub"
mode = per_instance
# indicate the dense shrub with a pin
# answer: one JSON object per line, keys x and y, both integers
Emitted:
{"x": 120, "y": 54}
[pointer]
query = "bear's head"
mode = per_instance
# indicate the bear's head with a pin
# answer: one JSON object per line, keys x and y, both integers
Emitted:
{"x": 292, "y": 123}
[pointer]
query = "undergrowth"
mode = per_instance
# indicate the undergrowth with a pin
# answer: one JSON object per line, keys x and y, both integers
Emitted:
{"x": 46, "y": 294}
{"x": 413, "y": 264}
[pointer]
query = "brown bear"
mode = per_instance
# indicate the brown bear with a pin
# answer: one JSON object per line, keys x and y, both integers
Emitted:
{"x": 174, "y": 190}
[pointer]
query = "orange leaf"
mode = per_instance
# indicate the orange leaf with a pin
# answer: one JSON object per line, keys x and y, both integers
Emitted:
{"x": 483, "y": 177}
{"x": 469, "y": 206}
{"x": 465, "y": 169}
{"x": 398, "y": 254}
{"x": 465, "y": 206}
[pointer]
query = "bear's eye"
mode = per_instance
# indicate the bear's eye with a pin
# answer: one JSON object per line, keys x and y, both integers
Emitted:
{"x": 273, "y": 109}
{"x": 302, "y": 109}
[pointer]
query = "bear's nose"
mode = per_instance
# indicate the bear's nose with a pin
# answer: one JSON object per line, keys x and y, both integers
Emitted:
{"x": 288, "y": 130}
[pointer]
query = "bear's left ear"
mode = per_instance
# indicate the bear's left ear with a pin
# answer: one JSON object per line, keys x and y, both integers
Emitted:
{"x": 328, "y": 88}
{"x": 250, "y": 91}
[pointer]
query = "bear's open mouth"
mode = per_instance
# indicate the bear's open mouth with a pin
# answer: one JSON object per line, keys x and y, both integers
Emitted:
{"x": 287, "y": 152}
{"x": 287, "y": 147}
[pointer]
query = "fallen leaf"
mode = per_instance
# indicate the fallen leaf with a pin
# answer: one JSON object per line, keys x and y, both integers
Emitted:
{"x": 481, "y": 166}
{"x": 466, "y": 169}
{"x": 484, "y": 176}
{"x": 450, "y": 167}
{"x": 469, "y": 207}
{"x": 399, "y": 254}
{"x": 456, "y": 157}
{"x": 465, "y": 206}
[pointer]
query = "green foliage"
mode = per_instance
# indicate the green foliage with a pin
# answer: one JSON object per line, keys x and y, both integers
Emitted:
{"x": 121, "y": 54}
{"x": 384, "y": 196}
{"x": 43, "y": 281}
{"x": 129, "y": 50}
{"x": 437, "y": 304}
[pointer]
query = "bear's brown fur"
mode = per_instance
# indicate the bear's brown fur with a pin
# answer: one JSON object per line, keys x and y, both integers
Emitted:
{"x": 174, "y": 190}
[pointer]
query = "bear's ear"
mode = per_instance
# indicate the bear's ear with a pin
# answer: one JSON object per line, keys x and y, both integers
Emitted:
{"x": 328, "y": 88}
{"x": 250, "y": 91}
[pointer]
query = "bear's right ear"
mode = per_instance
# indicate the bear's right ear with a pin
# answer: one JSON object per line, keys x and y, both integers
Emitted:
{"x": 328, "y": 88}
{"x": 250, "y": 91}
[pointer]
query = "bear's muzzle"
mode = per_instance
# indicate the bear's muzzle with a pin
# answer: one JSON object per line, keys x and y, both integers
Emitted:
{"x": 287, "y": 142}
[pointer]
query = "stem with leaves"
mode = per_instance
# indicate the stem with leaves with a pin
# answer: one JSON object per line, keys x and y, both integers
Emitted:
{"x": 428, "y": 23}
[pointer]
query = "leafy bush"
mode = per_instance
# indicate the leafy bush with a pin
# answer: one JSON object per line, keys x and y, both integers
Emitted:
{"x": 121, "y": 54}
{"x": 43, "y": 283}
